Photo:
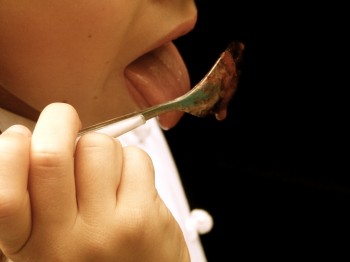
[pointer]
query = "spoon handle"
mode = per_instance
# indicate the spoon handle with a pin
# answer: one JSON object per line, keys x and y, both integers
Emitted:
{"x": 117, "y": 126}
{"x": 123, "y": 124}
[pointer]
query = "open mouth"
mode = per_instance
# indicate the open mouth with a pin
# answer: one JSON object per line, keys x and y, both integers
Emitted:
{"x": 157, "y": 77}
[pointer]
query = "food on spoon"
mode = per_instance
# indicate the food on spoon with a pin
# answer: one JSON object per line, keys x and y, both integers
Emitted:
{"x": 224, "y": 76}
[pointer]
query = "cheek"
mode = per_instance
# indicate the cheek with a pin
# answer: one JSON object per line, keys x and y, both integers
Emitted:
{"x": 85, "y": 34}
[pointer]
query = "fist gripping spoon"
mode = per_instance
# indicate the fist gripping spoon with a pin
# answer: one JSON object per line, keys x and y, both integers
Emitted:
{"x": 210, "y": 96}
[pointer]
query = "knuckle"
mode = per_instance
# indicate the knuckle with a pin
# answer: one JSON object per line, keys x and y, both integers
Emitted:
{"x": 12, "y": 146}
{"x": 136, "y": 226}
{"x": 145, "y": 224}
{"x": 96, "y": 141}
{"x": 139, "y": 156}
{"x": 48, "y": 159}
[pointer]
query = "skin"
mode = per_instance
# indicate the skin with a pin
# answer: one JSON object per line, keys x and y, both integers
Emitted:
{"x": 91, "y": 199}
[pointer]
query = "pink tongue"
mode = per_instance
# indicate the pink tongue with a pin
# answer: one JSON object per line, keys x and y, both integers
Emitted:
{"x": 158, "y": 77}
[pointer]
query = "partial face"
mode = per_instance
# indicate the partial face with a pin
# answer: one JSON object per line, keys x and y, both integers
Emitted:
{"x": 90, "y": 53}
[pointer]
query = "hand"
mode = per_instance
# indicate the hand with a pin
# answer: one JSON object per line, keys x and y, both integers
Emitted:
{"x": 91, "y": 200}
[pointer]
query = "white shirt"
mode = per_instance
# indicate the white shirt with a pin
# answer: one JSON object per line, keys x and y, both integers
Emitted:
{"x": 150, "y": 138}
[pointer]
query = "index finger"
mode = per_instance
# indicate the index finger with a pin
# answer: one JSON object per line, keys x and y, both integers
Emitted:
{"x": 51, "y": 183}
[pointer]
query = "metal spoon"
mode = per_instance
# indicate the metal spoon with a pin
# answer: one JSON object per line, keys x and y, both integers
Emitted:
{"x": 210, "y": 96}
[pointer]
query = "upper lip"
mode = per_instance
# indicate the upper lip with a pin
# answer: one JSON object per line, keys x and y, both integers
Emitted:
{"x": 179, "y": 31}
{"x": 150, "y": 51}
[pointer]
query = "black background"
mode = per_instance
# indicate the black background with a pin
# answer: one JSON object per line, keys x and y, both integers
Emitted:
{"x": 274, "y": 173}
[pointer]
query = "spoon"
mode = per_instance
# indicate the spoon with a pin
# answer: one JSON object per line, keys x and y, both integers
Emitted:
{"x": 210, "y": 96}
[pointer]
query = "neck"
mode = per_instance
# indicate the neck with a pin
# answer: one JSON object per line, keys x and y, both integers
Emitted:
{"x": 13, "y": 104}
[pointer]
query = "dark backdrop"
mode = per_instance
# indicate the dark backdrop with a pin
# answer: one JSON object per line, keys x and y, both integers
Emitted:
{"x": 273, "y": 174}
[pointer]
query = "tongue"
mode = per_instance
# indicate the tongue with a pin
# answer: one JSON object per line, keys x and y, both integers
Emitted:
{"x": 158, "y": 77}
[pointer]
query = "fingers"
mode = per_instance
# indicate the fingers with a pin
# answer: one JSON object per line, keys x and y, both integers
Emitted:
{"x": 143, "y": 214}
{"x": 108, "y": 176}
{"x": 137, "y": 185}
{"x": 15, "y": 217}
{"x": 51, "y": 184}
{"x": 98, "y": 165}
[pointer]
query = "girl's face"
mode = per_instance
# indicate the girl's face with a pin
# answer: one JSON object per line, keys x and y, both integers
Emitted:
{"x": 94, "y": 54}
